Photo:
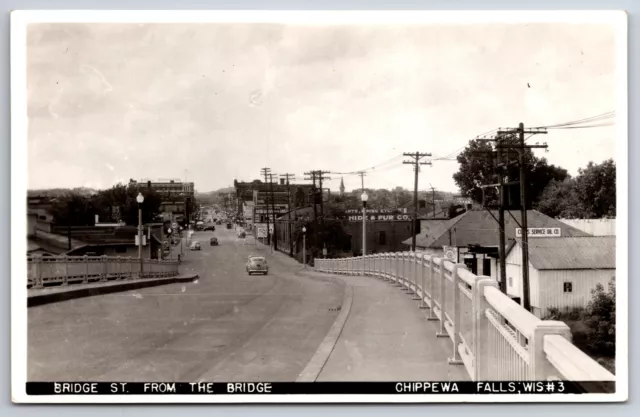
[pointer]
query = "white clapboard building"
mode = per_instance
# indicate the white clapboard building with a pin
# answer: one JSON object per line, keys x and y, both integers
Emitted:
{"x": 562, "y": 270}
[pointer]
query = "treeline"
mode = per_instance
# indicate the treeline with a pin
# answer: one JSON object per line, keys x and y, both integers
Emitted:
{"x": 114, "y": 204}
{"x": 551, "y": 190}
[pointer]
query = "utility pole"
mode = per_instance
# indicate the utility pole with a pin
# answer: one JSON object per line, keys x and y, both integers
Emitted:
{"x": 433, "y": 201}
{"x": 273, "y": 211}
{"x": 520, "y": 147}
{"x": 265, "y": 171}
{"x": 320, "y": 173}
{"x": 288, "y": 177}
{"x": 416, "y": 167}
{"x": 313, "y": 175}
{"x": 362, "y": 174}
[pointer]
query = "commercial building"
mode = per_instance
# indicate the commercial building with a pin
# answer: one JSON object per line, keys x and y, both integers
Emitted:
{"x": 562, "y": 270}
{"x": 263, "y": 199}
{"x": 175, "y": 197}
{"x": 473, "y": 238}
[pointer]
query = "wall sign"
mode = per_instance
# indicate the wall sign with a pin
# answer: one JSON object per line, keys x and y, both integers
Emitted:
{"x": 541, "y": 232}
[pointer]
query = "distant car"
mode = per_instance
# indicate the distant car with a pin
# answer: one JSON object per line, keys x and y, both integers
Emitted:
{"x": 229, "y": 225}
{"x": 214, "y": 241}
{"x": 211, "y": 228}
{"x": 257, "y": 264}
{"x": 195, "y": 245}
{"x": 219, "y": 222}
{"x": 242, "y": 235}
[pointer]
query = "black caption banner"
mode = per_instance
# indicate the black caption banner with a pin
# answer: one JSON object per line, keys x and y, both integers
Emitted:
{"x": 267, "y": 388}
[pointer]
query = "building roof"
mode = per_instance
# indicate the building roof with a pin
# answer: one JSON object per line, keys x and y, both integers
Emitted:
{"x": 479, "y": 228}
{"x": 585, "y": 252}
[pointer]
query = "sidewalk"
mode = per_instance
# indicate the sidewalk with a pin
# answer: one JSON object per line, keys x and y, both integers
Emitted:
{"x": 40, "y": 296}
{"x": 386, "y": 337}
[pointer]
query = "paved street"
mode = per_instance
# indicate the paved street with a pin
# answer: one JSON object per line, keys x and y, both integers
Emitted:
{"x": 227, "y": 326}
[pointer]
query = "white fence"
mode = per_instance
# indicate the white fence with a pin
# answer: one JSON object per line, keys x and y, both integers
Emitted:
{"x": 62, "y": 270}
{"x": 492, "y": 336}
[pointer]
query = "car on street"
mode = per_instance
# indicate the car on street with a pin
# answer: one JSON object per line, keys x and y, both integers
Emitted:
{"x": 242, "y": 234}
{"x": 210, "y": 227}
{"x": 195, "y": 245}
{"x": 213, "y": 241}
{"x": 229, "y": 225}
{"x": 257, "y": 264}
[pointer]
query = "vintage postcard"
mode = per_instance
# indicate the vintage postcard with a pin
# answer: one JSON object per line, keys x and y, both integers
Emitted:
{"x": 277, "y": 207}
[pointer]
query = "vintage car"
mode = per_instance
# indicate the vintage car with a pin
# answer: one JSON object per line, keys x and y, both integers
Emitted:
{"x": 195, "y": 245}
{"x": 210, "y": 227}
{"x": 213, "y": 241}
{"x": 257, "y": 264}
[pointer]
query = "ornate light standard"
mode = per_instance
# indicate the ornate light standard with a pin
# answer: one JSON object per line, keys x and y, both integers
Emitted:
{"x": 364, "y": 197}
{"x": 140, "y": 200}
{"x": 304, "y": 246}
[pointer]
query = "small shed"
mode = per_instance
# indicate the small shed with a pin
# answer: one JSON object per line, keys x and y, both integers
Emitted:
{"x": 562, "y": 270}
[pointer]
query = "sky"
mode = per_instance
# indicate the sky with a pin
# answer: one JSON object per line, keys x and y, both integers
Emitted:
{"x": 215, "y": 102}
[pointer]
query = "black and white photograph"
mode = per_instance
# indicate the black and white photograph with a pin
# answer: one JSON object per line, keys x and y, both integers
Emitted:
{"x": 262, "y": 206}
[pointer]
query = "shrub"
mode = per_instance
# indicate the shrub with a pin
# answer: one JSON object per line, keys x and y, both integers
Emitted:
{"x": 601, "y": 319}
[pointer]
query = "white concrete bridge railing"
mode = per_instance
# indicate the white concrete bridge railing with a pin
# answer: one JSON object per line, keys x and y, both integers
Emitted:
{"x": 495, "y": 338}
{"x": 62, "y": 270}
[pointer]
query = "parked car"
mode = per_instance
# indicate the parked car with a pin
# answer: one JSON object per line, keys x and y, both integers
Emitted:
{"x": 210, "y": 227}
{"x": 229, "y": 226}
{"x": 214, "y": 241}
{"x": 195, "y": 245}
{"x": 257, "y": 264}
{"x": 242, "y": 234}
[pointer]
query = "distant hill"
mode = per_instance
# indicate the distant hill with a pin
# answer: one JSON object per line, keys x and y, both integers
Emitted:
{"x": 57, "y": 192}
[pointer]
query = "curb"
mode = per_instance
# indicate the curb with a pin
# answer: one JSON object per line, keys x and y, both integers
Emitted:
{"x": 73, "y": 293}
{"x": 321, "y": 357}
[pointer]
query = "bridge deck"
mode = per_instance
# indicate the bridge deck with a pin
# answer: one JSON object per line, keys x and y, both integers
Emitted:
{"x": 388, "y": 338}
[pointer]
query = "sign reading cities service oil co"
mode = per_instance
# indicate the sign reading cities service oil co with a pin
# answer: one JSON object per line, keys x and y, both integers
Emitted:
{"x": 378, "y": 214}
{"x": 540, "y": 232}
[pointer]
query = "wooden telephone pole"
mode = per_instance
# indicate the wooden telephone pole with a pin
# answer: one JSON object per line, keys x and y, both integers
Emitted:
{"x": 273, "y": 212}
{"x": 416, "y": 167}
{"x": 314, "y": 191}
{"x": 266, "y": 173}
{"x": 288, "y": 177}
{"x": 520, "y": 147}
{"x": 362, "y": 174}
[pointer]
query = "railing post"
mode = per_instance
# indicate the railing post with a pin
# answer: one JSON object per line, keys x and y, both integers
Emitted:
{"x": 37, "y": 259}
{"x": 85, "y": 280}
{"x": 540, "y": 366}
{"x": 482, "y": 366}
{"x": 432, "y": 301}
{"x": 65, "y": 278}
{"x": 423, "y": 303}
{"x": 443, "y": 301}
{"x": 130, "y": 261}
{"x": 414, "y": 275}
{"x": 105, "y": 270}
{"x": 455, "y": 359}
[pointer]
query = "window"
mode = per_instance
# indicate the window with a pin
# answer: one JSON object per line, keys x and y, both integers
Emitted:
{"x": 568, "y": 287}
{"x": 382, "y": 238}
{"x": 510, "y": 281}
{"x": 121, "y": 249}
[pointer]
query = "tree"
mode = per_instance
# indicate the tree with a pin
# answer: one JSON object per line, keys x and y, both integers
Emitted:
{"x": 119, "y": 203}
{"x": 479, "y": 166}
{"x": 601, "y": 319}
{"x": 591, "y": 195}
{"x": 596, "y": 187}
{"x": 560, "y": 200}
{"x": 71, "y": 209}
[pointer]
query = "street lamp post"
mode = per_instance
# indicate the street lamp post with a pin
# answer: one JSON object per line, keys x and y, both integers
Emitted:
{"x": 304, "y": 246}
{"x": 364, "y": 197}
{"x": 140, "y": 200}
{"x": 170, "y": 242}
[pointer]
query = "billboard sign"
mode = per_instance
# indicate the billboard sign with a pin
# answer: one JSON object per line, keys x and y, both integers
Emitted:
{"x": 261, "y": 230}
